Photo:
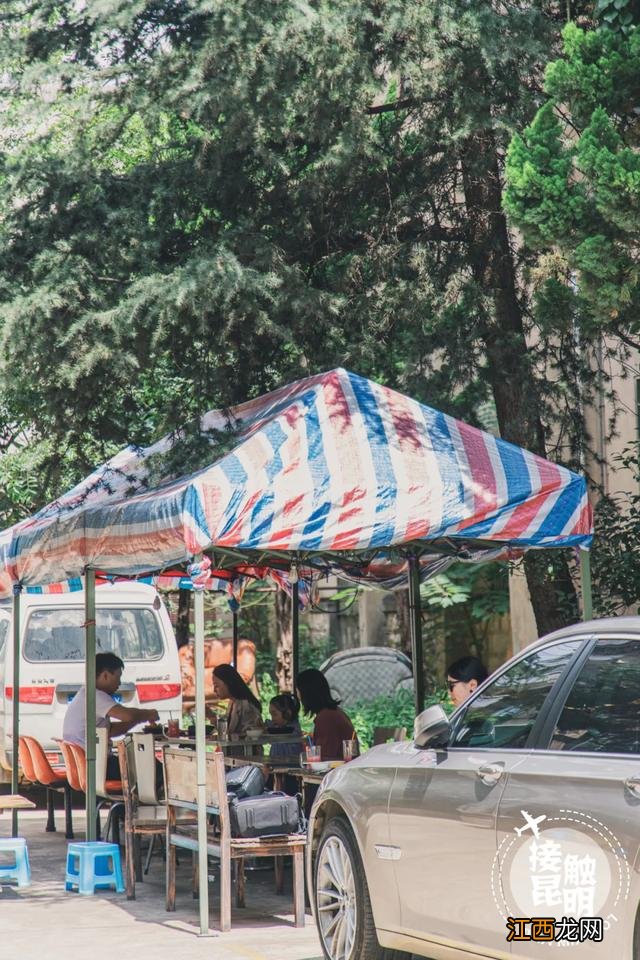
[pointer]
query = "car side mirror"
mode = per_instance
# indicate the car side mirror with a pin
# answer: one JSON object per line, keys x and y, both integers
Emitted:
{"x": 431, "y": 728}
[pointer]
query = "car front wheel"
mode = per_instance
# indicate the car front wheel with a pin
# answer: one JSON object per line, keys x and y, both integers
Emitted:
{"x": 342, "y": 903}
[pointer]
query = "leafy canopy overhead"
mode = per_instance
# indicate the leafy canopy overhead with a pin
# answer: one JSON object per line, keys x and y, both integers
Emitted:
{"x": 202, "y": 200}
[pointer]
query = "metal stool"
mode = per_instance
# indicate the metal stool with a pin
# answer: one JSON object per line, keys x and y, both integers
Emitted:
{"x": 93, "y": 864}
{"x": 20, "y": 870}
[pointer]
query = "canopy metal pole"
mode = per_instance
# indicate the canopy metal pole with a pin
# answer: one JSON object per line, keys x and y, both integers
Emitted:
{"x": 584, "y": 558}
{"x": 201, "y": 760}
{"x": 415, "y": 626}
{"x": 15, "y": 757}
{"x": 294, "y": 634}
{"x": 235, "y": 639}
{"x": 90, "y": 697}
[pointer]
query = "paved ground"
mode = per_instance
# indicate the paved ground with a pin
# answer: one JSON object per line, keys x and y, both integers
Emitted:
{"x": 46, "y": 923}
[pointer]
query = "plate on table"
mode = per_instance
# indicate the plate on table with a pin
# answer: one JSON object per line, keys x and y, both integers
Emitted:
{"x": 321, "y": 766}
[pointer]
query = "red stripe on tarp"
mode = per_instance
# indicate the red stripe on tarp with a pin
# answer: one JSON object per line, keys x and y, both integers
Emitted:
{"x": 484, "y": 486}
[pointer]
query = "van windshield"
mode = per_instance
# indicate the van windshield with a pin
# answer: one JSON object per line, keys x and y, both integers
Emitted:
{"x": 58, "y": 634}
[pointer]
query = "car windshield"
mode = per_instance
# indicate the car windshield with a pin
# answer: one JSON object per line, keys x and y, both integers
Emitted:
{"x": 58, "y": 634}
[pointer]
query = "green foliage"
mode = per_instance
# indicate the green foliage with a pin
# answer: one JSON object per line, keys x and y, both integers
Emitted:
{"x": 615, "y": 560}
{"x": 618, "y": 15}
{"x": 396, "y": 711}
{"x": 314, "y": 650}
{"x": 212, "y": 199}
{"x": 574, "y": 175}
{"x": 573, "y": 189}
{"x": 477, "y": 593}
{"x": 268, "y": 690}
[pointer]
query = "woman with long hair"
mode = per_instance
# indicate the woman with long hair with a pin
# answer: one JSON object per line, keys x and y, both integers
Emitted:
{"x": 244, "y": 712}
{"x": 332, "y": 725}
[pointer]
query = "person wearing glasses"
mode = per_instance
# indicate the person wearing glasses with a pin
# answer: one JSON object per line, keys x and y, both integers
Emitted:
{"x": 463, "y": 677}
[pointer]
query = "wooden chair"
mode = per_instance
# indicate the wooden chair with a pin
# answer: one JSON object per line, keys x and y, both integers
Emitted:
{"x": 383, "y": 734}
{"x": 53, "y": 778}
{"x": 139, "y": 820}
{"x": 181, "y": 787}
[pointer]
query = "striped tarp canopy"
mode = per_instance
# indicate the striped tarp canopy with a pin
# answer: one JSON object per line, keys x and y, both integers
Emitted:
{"x": 333, "y": 466}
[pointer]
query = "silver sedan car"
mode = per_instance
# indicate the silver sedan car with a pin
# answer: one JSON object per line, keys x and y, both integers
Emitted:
{"x": 510, "y": 830}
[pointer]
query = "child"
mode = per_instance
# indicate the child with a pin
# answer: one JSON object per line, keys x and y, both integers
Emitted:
{"x": 284, "y": 710}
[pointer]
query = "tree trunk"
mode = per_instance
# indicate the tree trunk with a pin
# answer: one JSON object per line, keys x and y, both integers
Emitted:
{"x": 507, "y": 353}
{"x": 284, "y": 647}
{"x": 182, "y": 618}
{"x": 404, "y": 620}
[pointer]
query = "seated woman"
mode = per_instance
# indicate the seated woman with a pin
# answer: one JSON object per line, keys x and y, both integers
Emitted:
{"x": 244, "y": 711}
{"x": 332, "y": 725}
{"x": 463, "y": 677}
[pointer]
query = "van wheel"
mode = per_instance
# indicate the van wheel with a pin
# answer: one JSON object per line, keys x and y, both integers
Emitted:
{"x": 342, "y": 902}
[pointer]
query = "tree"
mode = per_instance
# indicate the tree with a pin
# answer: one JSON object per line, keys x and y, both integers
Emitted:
{"x": 574, "y": 177}
{"x": 227, "y": 196}
{"x": 573, "y": 189}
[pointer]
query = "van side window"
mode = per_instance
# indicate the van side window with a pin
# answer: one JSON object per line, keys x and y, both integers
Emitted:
{"x": 58, "y": 634}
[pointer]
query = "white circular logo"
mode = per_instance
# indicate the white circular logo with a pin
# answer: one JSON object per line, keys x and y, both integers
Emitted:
{"x": 557, "y": 867}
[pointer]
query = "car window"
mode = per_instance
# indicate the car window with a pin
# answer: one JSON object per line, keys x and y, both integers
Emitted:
{"x": 58, "y": 634}
{"x": 602, "y": 712}
{"x": 4, "y": 630}
{"x": 504, "y": 713}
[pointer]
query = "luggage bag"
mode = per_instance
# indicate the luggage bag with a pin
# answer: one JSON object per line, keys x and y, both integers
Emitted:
{"x": 272, "y": 814}
{"x": 245, "y": 781}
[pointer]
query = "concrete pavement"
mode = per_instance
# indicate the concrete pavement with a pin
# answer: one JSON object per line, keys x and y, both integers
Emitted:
{"x": 46, "y": 923}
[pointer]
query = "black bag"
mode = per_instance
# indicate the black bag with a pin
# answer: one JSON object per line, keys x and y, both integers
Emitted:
{"x": 270, "y": 815}
{"x": 245, "y": 781}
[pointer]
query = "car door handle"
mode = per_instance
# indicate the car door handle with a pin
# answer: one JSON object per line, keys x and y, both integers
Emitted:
{"x": 490, "y": 773}
{"x": 632, "y": 784}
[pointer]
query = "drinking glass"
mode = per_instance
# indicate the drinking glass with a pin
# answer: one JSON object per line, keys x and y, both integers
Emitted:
{"x": 350, "y": 749}
{"x": 173, "y": 727}
{"x": 313, "y": 754}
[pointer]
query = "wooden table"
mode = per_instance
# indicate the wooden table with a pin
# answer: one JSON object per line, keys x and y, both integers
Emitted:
{"x": 14, "y": 801}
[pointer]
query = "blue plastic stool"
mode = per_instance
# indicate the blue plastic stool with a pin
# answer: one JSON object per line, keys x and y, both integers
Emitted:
{"x": 93, "y": 864}
{"x": 20, "y": 870}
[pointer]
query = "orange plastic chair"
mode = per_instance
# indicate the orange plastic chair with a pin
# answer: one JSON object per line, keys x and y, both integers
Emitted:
{"x": 55, "y": 780}
{"x": 112, "y": 786}
{"x": 80, "y": 760}
{"x": 70, "y": 766}
{"x": 25, "y": 760}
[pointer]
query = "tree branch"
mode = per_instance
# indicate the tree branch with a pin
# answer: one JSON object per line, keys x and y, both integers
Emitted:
{"x": 392, "y": 107}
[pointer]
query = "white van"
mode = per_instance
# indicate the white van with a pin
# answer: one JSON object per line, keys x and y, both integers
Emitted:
{"x": 131, "y": 621}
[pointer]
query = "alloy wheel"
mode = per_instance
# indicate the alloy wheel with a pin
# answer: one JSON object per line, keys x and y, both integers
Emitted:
{"x": 336, "y": 899}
